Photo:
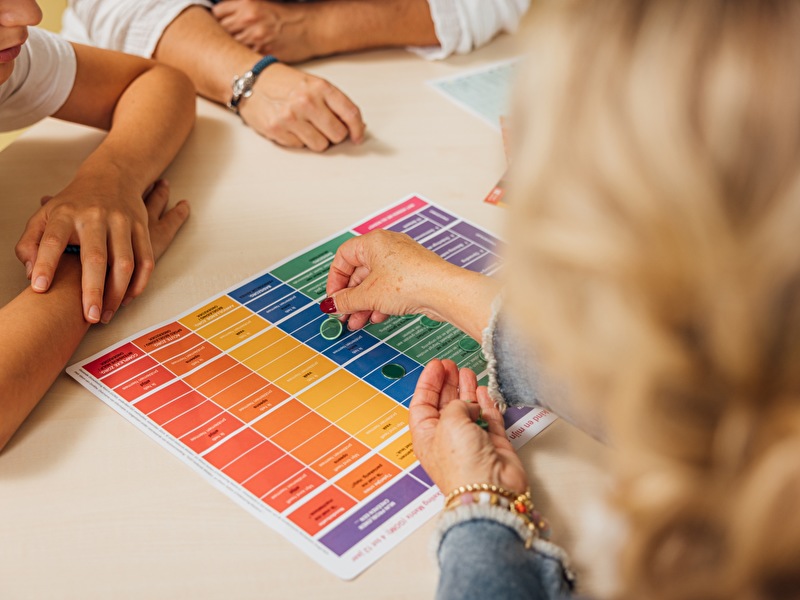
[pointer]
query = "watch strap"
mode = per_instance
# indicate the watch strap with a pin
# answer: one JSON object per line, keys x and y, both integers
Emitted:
{"x": 242, "y": 86}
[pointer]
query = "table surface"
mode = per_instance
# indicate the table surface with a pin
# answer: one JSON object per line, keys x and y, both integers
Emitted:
{"x": 92, "y": 508}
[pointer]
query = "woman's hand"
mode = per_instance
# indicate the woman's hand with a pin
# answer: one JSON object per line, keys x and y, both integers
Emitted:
{"x": 452, "y": 449}
{"x": 385, "y": 273}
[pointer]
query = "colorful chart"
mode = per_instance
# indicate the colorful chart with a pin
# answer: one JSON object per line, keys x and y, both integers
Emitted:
{"x": 308, "y": 434}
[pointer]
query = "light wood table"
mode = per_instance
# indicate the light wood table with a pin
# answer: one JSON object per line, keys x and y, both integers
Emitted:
{"x": 92, "y": 508}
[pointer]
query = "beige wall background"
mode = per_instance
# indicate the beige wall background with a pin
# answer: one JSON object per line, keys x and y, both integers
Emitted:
{"x": 51, "y": 10}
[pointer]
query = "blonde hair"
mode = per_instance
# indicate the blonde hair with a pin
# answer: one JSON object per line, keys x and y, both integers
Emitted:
{"x": 656, "y": 262}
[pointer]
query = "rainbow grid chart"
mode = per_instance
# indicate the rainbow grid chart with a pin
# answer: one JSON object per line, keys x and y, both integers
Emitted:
{"x": 306, "y": 433}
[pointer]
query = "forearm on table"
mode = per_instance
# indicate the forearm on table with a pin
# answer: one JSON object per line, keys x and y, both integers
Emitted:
{"x": 196, "y": 44}
{"x": 40, "y": 332}
{"x": 352, "y": 25}
{"x": 147, "y": 132}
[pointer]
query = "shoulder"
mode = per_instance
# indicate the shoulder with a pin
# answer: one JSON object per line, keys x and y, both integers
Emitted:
{"x": 48, "y": 47}
{"x": 43, "y": 75}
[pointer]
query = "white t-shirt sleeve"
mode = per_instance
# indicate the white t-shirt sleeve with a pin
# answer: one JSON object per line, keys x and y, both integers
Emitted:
{"x": 464, "y": 25}
{"x": 42, "y": 79}
{"x": 132, "y": 26}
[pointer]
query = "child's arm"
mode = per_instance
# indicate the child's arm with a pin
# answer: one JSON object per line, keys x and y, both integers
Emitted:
{"x": 39, "y": 332}
{"x": 149, "y": 111}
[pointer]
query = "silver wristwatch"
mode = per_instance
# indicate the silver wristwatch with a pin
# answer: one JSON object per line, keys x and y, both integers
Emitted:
{"x": 242, "y": 87}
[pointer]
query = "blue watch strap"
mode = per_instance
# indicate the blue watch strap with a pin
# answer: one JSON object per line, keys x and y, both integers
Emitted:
{"x": 243, "y": 86}
{"x": 263, "y": 64}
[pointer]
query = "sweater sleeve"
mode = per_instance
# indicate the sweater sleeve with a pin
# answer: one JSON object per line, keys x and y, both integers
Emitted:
{"x": 464, "y": 25}
{"x": 516, "y": 377}
{"x": 131, "y": 26}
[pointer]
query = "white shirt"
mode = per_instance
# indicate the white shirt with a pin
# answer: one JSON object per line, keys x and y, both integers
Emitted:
{"x": 42, "y": 79}
{"x": 135, "y": 26}
{"x": 464, "y": 25}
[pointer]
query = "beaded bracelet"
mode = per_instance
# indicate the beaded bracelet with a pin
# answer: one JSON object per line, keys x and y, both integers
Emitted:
{"x": 520, "y": 505}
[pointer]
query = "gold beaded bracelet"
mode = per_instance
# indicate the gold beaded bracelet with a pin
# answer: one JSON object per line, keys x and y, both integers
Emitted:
{"x": 520, "y": 505}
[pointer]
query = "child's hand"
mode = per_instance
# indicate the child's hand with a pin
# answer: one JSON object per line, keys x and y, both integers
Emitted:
{"x": 451, "y": 447}
{"x": 112, "y": 230}
{"x": 163, "y": 224}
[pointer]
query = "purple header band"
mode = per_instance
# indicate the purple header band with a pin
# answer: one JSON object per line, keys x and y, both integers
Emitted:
{"x": 360, "y": 524}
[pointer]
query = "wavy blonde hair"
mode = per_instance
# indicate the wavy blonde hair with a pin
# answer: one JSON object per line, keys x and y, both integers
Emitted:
{"x": 656, "y": 237}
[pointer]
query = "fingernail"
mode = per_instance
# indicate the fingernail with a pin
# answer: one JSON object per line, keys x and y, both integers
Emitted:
{"x": 127, "y": 301}
{"x": 328, "y": 306}
{"x": 40, "y": 284}
{"x": 28, "y": 269}
{"x": 94, "y": 314}
{"x": 165, "y": 182}
{"x": 106, "y": 316}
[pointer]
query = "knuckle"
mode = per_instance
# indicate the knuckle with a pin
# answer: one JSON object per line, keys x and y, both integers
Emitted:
{"x": 147, "y": 266}
{"x": 351, "y": 113}
{"x": 95, "y": 213}
{"x": 94, "y": 258}
{"x": 50, "y": 241}
{"x": 288, "y": 117}
{"x": 95, "y": 291}
{"x": 273, "y": 129}
{"x": 320, "y": 86}
{"x": 304, "y": 102}
{"x": 125, "y": 265}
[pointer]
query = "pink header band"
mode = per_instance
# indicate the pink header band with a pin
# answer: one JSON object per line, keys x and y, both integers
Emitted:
{"x": 392, "y": 215}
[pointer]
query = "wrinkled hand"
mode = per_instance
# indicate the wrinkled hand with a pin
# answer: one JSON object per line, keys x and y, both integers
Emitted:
{"x": 268, "y": 28}
{"x": 118, "y": 247}
{"x": 452, "y": 449}
{"x": 383, "y": 273}
{"x": 298, "y": 110}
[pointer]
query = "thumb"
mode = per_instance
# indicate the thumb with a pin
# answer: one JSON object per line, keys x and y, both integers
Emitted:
{"x": 348, "y": 301}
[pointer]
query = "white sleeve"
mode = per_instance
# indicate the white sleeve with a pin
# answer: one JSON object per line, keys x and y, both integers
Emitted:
{"x": 132, "y": 26}
{"x": 42, "y": 79}
{"x": 464, "y": 25}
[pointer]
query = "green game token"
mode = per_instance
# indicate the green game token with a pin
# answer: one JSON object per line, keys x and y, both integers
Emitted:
{"x": 483, "y": 357}
{"x": 393, "y": 371}
{"x": 407, "y": 317}
{"x": 430, "y": 323}
{"x": 330, "y": 329}
{"x": 467, "y": 344}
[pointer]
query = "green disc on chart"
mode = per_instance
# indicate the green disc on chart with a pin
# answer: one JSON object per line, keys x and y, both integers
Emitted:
{"x": 430, "y": 323}
{"x": 467, "y": 344}
{"x": 393, "y": 371}
{"x": 330, "y": 329}
{"x": 483, "y": 357}
{"x": 407, "y": 317}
